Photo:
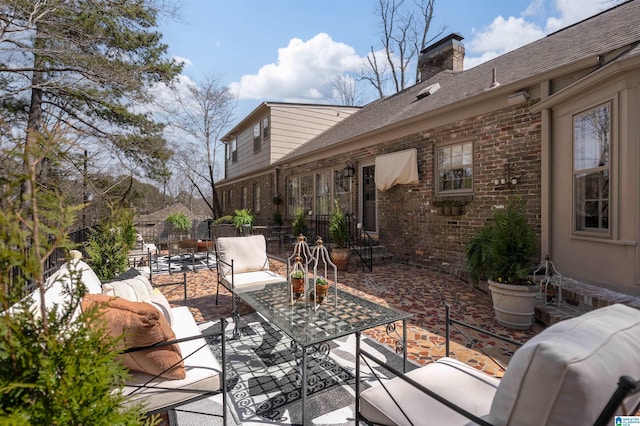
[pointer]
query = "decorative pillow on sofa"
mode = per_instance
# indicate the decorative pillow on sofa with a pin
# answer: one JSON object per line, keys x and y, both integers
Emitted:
{"x": 137, "y": 288}
{"x": 140, "y": 324}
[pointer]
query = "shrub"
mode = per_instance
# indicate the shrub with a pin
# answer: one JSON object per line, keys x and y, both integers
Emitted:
{"x": 338, "y": 229}
{"x": 299, "y": 224}
{"x": 109, "y": 245}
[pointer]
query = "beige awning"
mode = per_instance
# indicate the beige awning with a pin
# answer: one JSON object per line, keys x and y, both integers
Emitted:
{"x": 396, "y": 168}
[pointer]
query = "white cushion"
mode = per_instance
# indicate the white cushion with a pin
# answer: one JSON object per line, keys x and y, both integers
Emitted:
{"x": 252, "y": 280}
{"x": 58, "y": 285}
{"x": 566, "y": 374}
{"x": 202, "y": 368}
{"x": 249, "y": 253}
{"x": 460, "y": 383}
{"x": 135, "y": 289}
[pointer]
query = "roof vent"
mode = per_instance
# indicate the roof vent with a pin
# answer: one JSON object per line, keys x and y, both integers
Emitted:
{"x": 429, "y": 90}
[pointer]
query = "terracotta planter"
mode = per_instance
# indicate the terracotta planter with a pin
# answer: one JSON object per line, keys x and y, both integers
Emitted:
{"x": 513, "y": 305}
{"x": 297, "y": 285}
{"x": 321, "y": 291}
{"x": 340, "y": 257}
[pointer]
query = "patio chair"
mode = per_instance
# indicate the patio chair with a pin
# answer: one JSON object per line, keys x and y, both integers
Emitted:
{"x": 578, "y": 371}
{"x": 243, "y": 265}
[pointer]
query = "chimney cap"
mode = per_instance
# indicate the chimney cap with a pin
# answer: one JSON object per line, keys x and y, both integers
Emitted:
{"x": 457, "y": 37}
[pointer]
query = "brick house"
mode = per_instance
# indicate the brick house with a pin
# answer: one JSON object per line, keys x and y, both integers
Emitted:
{"x": 554, "y": 123}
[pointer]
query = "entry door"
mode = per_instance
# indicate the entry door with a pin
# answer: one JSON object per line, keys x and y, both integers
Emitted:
{"x": 369, "y": 217}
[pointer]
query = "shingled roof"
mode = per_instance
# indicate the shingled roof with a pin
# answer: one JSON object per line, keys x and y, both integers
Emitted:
{"x": 592, "y": 38}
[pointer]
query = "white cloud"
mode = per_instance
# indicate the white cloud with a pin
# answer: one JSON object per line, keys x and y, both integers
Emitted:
{"x": 304, "y": 71}
{"x": 504, "y": 35}
{"x": 185, "y": 61}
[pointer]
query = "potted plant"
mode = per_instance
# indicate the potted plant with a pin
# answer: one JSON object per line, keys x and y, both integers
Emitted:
{"x": 178, "y": 222}
{"x": 339, "y": 232}
{"x": 297, "y": 282}
{"x": 322, "y": 288}
{"x": 502, "y": 251}
{"x": 242, "y": 220}
{"x": 299, "y": 224}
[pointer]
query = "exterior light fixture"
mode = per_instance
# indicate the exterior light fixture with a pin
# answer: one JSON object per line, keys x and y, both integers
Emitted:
{"x": 349, "y": 170}
{"x": 508, "y": 179}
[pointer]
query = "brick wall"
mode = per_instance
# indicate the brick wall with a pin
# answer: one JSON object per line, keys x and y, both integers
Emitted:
{"x": 408, "y": 225}
{"x": 418, "y": 235}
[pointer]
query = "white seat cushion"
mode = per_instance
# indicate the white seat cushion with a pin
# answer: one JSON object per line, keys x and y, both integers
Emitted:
{"x": 252, "y": 280}
{"x": 459, "y": 383}
{"x": 249, "y": 253}
{"x": 566, "y": 374}
{"x": 202, "y": 369}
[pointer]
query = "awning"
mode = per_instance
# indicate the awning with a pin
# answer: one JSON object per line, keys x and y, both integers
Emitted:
{"x": 396, "y": 168}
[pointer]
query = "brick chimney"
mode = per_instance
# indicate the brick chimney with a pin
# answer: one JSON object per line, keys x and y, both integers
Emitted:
{"x": 445, "y": 54}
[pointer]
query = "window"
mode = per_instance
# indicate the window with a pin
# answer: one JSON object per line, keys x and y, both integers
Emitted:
{"x": 229, "y": 200}
{"x": 224, "y": 200}
{"x": 256, "y": 198}
{"x": 299, "y": 194}
{"x": 455, "y": 168}
{"x": 592, "y": 169}
{"x": 257, "y": 140}
{"x": 266, "y": 131}
{"x": 234, "y": 150}
{"x": 342, "y": 189}
{"x": 323, "y": 193}
{"x": 243, "y": 199}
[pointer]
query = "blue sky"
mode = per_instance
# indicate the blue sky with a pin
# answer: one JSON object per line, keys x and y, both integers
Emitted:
{"x": 290, "y": 50}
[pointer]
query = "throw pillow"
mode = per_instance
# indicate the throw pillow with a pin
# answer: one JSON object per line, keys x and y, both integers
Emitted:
{"x": 136, "y": 289}
{"x": 140, "y": 324}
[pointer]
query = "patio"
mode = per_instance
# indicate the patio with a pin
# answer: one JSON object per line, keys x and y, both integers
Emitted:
{"x": 421, "y": 292}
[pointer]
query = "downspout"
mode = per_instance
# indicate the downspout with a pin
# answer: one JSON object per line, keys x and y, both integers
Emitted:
{"x": 545, "y": 175}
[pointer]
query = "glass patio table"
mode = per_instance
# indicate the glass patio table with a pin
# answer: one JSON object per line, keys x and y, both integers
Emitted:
{"x": 312, "y": 326}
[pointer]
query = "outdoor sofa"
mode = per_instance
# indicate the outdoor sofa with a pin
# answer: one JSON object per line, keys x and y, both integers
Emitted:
{"x": 170, "y": 360}
{"x": 575, "y": 372}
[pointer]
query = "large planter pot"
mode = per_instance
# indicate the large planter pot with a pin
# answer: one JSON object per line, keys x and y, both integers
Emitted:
{"x": 513, "y": 305}
{"x": 340, "y": 257}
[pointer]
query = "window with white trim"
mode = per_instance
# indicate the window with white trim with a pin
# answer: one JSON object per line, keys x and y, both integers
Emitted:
{"x": 299, "y": 194}
{"x": 243, "y": 199}
{"x": 256, "y": 198}
{"x": 234, "y": 150}
{"x": 592, "y": 169}
{"x": 257, "y": 138}
{"x": 342, "y": 189}
{"x": 266, "y": 130}
{"x": 455, "y": 168}
{"x": 323, "y": 192}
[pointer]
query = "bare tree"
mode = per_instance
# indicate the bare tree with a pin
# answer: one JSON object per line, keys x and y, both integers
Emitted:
{"x": 405, "y": 30}
{"x": 345, "y": 90}
{"x": 201, "y": 114}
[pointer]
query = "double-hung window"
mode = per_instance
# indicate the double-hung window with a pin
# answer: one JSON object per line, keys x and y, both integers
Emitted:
{"x": 234, "y": 150}
{"x": 592, "y": 169}
{"x": 266, "y": 131}
{"x": 257, "y": 138}
{"x": 455, "y": 168}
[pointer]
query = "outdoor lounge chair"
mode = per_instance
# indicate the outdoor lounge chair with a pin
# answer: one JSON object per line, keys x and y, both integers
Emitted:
{"x": 577, "y": 371}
